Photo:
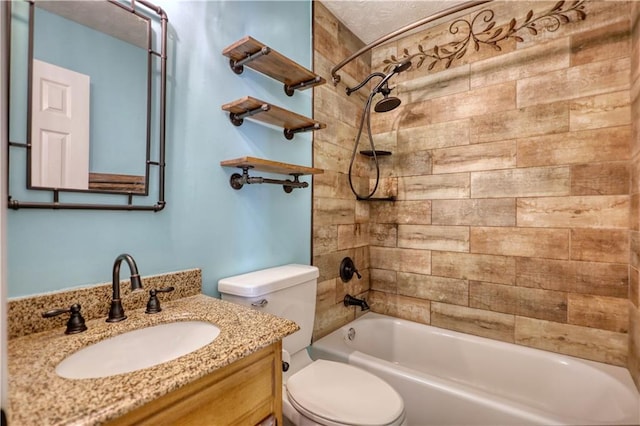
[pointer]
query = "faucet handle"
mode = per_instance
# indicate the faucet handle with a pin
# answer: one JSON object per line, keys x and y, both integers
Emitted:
{"x": 153, "y": 305}
{"x": 76, "y": 320}
{"x": 347, "y": 269}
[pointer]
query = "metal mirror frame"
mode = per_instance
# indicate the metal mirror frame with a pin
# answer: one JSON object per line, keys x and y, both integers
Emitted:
{"x": 133, "y": 7}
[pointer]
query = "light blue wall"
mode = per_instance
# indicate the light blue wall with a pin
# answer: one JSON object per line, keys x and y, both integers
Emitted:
{"x": 206, "y": 224}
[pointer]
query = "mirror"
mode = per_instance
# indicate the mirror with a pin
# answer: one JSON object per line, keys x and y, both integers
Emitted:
{"x": 87, "y": 102}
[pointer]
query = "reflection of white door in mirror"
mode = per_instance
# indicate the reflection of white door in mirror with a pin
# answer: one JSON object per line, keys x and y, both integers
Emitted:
{"x": 59, "y": 127}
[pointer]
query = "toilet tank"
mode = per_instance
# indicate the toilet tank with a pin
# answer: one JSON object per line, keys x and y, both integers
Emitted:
{"x": 287, "y": 291}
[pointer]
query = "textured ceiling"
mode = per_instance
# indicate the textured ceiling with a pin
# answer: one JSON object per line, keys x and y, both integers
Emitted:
{"x": 372, "y": 19}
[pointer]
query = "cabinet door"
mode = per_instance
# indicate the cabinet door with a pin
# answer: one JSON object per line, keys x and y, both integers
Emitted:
{"x": 246, "y": 392}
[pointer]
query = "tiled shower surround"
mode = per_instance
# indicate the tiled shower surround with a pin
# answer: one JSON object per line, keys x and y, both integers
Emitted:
{"x": 516, "y": 177}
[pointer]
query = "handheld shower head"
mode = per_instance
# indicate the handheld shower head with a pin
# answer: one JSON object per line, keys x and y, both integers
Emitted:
{"x": 402, "y": 66}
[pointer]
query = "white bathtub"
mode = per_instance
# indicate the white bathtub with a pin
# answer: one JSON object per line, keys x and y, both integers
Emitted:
{"x": 451, "y": 378}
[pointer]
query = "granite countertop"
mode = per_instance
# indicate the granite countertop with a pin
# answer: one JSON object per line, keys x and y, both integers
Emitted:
{"x": 38, "y": 396}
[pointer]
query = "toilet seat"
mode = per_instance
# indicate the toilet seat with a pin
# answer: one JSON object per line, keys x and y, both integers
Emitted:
{"x": 334, "y": 393}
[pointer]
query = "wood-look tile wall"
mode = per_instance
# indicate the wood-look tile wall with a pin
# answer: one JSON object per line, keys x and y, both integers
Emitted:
{"x": 340, "y": 224}
{"x": 516, "y": 174}
{"x": 634, "y": 237}
{"x": 529, "y": 233}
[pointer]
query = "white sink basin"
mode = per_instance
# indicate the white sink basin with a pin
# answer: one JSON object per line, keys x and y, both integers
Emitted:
{"x": 137, "y": 349}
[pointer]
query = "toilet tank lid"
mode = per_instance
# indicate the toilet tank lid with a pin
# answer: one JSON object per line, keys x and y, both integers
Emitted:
{"x": 265, "y": 281}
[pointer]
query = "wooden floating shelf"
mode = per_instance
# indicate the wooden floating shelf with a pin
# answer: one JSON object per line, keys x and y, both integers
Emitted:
{"x": 256, "y": 55}
{"x": 269, "y": 166}
{"x": 237, "y": 181}
{"x": 265, "y": 112}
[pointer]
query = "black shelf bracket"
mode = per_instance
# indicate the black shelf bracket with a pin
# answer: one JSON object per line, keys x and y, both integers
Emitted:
{"x": 237, "y": 181}
{"x": 289, "y": 90}
{"x": 238, "y": 66}
{"x": 289, "y": 133}
{"x": 238, "y": 119}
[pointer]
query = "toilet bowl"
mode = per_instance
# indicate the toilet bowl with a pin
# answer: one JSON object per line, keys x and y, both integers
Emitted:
{"x": 318, "y": 392}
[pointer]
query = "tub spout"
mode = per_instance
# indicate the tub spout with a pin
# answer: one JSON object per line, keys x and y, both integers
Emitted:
{"x": 350, "y": 300}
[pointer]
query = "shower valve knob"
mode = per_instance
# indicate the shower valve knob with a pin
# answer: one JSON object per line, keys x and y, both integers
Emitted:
{"x": 347, "y": 269}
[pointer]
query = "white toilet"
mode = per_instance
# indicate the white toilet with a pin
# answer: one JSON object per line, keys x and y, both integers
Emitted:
{"x": 314, "y": 392}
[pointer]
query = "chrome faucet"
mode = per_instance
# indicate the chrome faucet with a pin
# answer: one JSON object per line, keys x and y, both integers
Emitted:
{"x": 116, "y": 312}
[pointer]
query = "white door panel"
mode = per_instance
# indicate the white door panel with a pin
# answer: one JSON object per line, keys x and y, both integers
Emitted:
{"x": 59, "y": 127}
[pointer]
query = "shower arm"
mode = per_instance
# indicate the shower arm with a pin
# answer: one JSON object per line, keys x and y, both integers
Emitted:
{"x": 350, "y": 90}
{"x": 383, "y": 39}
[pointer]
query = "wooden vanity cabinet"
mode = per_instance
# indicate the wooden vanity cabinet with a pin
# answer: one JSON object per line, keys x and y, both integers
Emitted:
{"x": 246, "y": 392}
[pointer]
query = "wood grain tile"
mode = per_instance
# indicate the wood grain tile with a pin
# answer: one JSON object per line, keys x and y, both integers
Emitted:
{"x": 529, "y": 302}
{"x": 331, "y": 211}
{"x": 410, "y": 260}
{"x": 583, "y": 342}
{"x": 484, "y": 100}
{"x": 352, "y": 235}
{"x": 355, "y": 287}
{"x": 634, "y": 249}
{"x": 600, "y": 245}
{"x": 634, "y": 214}
{"x": 409, "y": 308}
{"x": 331, "y": 318}
{"x": 607, "y": 42}
{"x": 527, "y": 242}
{"x": 383, "y": 234}
{"x": 600, "y": 179}
{"x": 520, "y": 123}
{"x": 606, "y": 110}
{"x": 325, "y": 239}
{"x": 574, "y": 212}
{"x": 326, "y": 294}
{"x": 487, "y": 156}
{"x": 542, "y": 304}
{"x": 329, "y": 263}
{"x": 634, "y": 287}
{"x": 384, "y": 258}
{"x": 604, "y": 313}
{"x": 430, "y": 237}
{"x": 478, "y": 322}
{"x": 493, "y": 297}
{"x": 412, "y": 163}
{"x": 439, "y": 135}
{"x": 337, "y": 105}
{"x": 576, "y": 82}
{"x": 437, "y": 85}
{"x": 383, "y": 280}
{"x": 522, "y": 63}
{"x": 403, "y": 212}
{"x": 587, "y": 146}
{"x": 331, "y": 184}
{"x": 438, "y": 289}
{"x": 634, "y": 345}
{"x": 528, "y": 182}
{"x": 478, "y": 212}
{"x": 387, "y": 187}
{"x": 477, "y": 267}
{"x": 434, "y": 187}
{"x": 603, "y": 279}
